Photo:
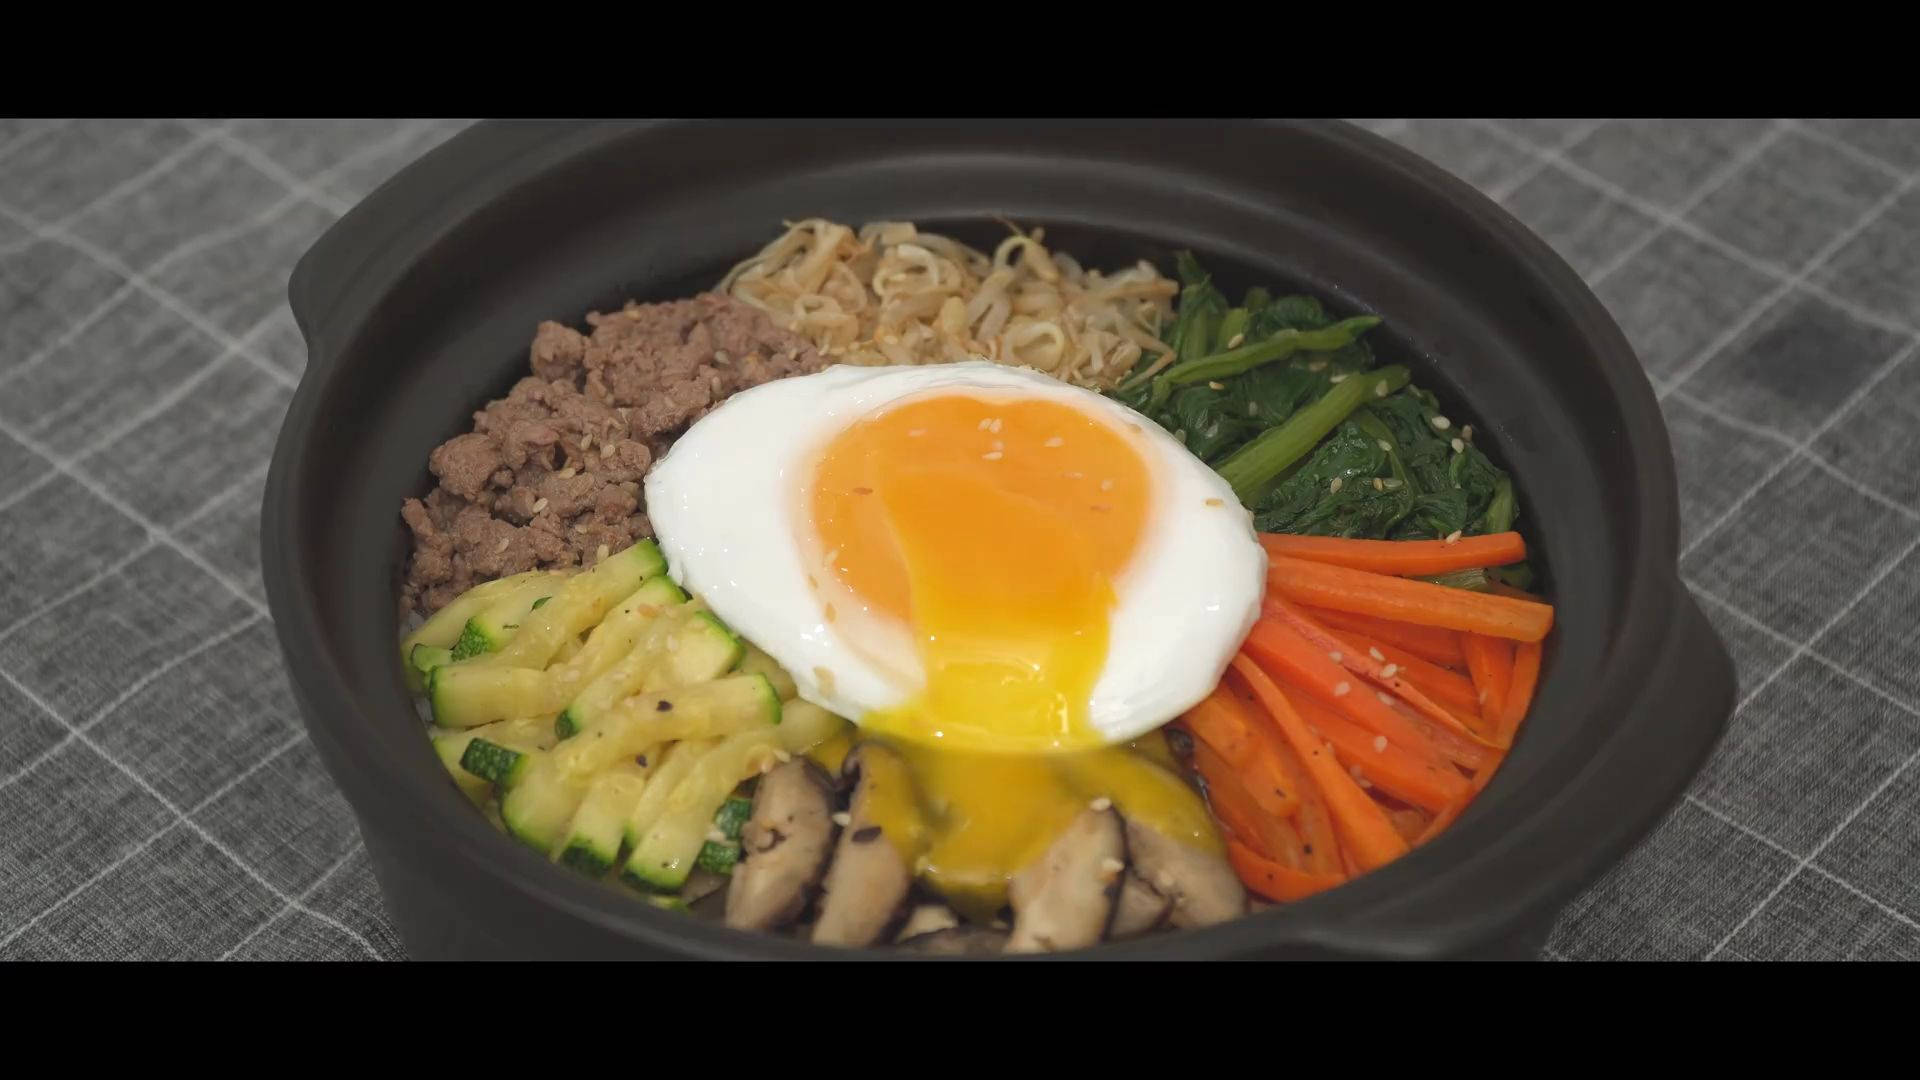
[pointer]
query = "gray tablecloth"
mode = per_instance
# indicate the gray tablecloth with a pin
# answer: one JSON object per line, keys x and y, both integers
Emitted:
{"x": 159, "y": 799}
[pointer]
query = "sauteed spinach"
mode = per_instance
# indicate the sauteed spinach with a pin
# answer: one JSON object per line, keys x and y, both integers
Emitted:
{"x": 1290, "y": 405}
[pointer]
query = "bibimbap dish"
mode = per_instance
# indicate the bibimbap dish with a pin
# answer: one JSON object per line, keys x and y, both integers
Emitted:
{"x": 898, "y": 593}
{"x": 949, "y": 540}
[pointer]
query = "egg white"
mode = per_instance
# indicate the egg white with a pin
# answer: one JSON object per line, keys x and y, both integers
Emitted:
{"x": 727, "y": 502}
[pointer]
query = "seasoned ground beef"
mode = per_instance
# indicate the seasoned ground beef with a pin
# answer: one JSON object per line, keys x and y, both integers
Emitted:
{"x": 551, "y": 472}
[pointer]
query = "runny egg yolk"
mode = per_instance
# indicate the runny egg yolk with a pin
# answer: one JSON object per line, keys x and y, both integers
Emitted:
{"x": 993, "y": 529}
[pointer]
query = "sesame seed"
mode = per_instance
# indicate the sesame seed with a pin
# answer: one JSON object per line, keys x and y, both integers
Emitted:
{"x": 504, "y": 541}
{"x": 1378, "y": 485}
{"x": 1334, "y": 656}
{"x": 1215, "y": 502}
{"x": 567, "y": 473}
{"x": 1380, "y": 389}
{"x": 1106, "y": 485}
{"x": 993, "y": 455}
{"x": 916, "y": 433}
{"x": 1181, "y": 435}
{"x": 1342, "y": 688}
{"x": 1253, "y": 408}
{"x": 1216, "y": 386}
{"x": 1453, "y": 537}
{"x": 1385, "y": 698}
{"x": 586, "y": 442}
{"x": 1334, "y": 488}
{"x": 601, "y": 554}
{"x": 1101, "y": 804}
{"x": 606, "y": 451}
{"x": 987, "y": 423}
{"x": 1466, "y": 432}
{"x": 1379, "y": 744}
{"x": 1110, "y": 868}
{"x": 1390, "y": 671}
{"x": 1317, "y": 365}
{"x": 1458, "y": 446}
{"x": 720, "y": 357}
{"x": 580, "y": 528}
{"x": 1375, "y": 653}
{"x": 1338, "y": 378}
{"x": 715, "y": 836}
{"x": 1394, "y": 483}
{"x": 1386, "y": 446}
{"x": 1441, "y": 423}
{"x": 539, "y": 505}
{"x": 996, "y": 426}
{"x": 1236, "y": 341}
{"x": 1055, "y": 441}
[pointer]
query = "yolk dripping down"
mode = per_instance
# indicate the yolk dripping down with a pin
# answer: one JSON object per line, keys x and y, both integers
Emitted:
{"x": 993, "y": 529}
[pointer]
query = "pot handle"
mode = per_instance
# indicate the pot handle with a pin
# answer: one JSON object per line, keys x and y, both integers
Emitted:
{"x": 1667, "y": 732}
{"x": 357, "y": 261}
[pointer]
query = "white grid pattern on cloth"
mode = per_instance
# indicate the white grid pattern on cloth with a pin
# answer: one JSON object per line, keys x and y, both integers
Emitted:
{"x": 181, "y": 818}
{"x": 1799, "y": 448}
{"x": 1787, "y": 281}
{"x": 68, "y": 466}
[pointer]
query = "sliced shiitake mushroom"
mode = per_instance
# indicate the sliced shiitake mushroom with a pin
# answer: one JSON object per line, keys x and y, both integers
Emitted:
{"x": 959, "y": 941}
{"x": 1202, "y": 886}
{"x": 784, "y": 847}
{"x": 1066, "y": 898}
{"x": 867, "y": 884}
{"x": 926, "y": 919}
{"x": 1141, "y": 908}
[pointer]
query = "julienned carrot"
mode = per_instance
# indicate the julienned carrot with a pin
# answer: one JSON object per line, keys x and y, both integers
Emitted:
{"x": 1236, "y": 809}
{"x": 1490, "y": 661}
{"x": 1379, "y": 672}
{"x": 1293, "y": 658}
{"x": 1526, "y": 674}
{"x": 1414, "y": 775}
{"x": 1232, "y": 726}
{"x": 1410, "y": 823}
{"x": 1320, "y": 847}
{"x": 1501, "y": 588}
{"x": 1485, "y": 776}
{"x": 1443, "y": 819}
{"x": 1222, "y": 724}
{"x": 1292, "y": 851}
{"x": 1362, "y": 825}
{"x": 1407, "y": 600}
{"x": 1442, "y": 685}
{"x": 1403, "y": 557}
{"x": 1430, "y": 643}
{"x": 1273, "y": 880}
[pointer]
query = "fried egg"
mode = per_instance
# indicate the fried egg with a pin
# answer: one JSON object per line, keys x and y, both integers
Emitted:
{"x": 964, "y": 555}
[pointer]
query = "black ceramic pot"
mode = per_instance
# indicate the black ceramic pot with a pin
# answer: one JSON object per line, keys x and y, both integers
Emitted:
{"x": 418, "y": 307}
